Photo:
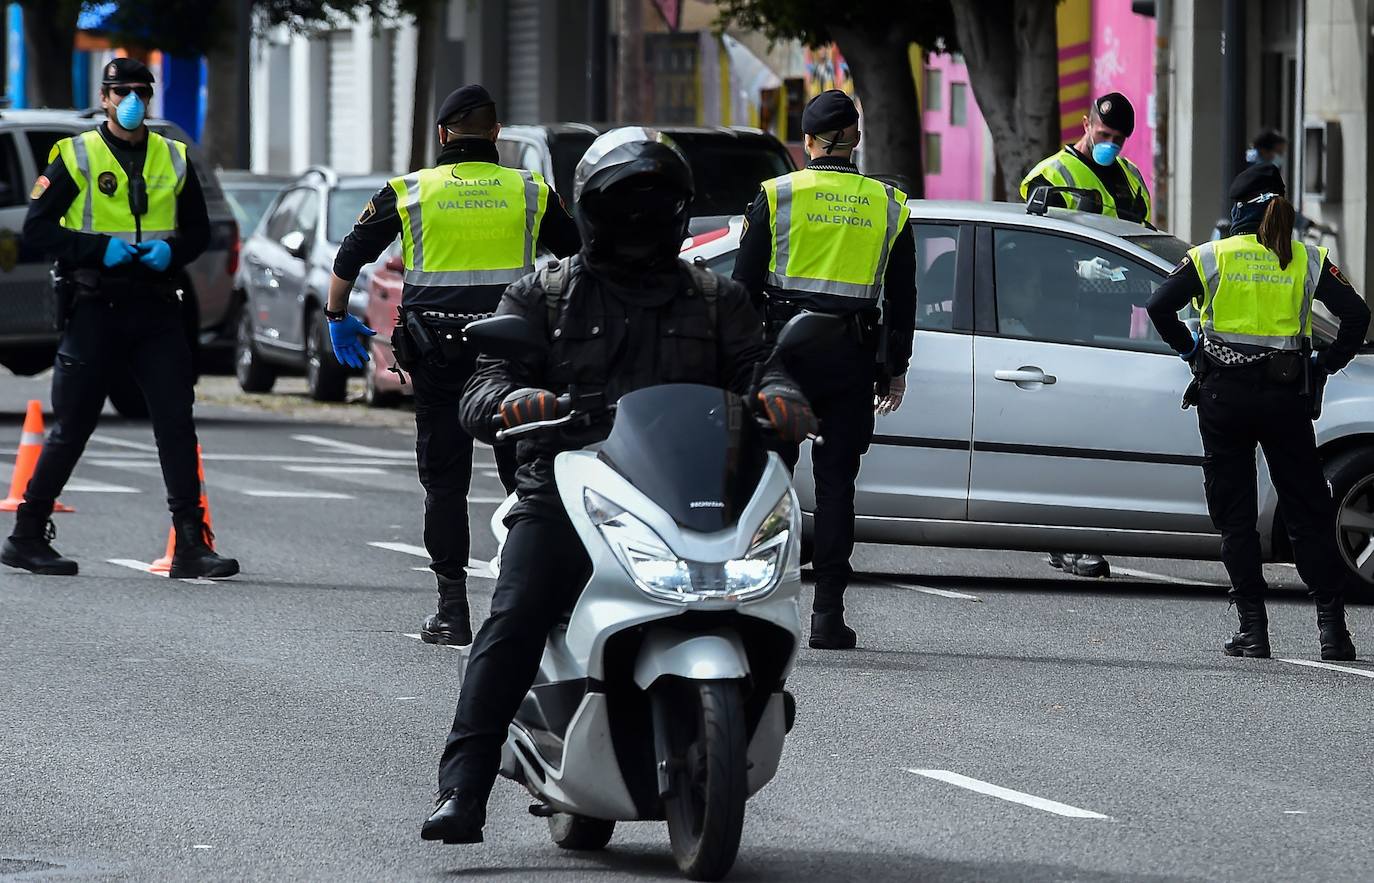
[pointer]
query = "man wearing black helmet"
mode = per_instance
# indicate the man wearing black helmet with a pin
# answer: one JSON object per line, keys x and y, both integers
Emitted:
{"x": 468, "y": 228}
{"x": 831, "y": 240}
{"x": 623, "y": 314}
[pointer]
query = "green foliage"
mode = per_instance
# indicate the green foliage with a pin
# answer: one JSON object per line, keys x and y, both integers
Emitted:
{"x": 814, "y": 22}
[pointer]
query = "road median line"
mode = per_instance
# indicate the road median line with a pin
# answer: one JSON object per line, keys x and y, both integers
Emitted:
{"x": 1009, "y": 795}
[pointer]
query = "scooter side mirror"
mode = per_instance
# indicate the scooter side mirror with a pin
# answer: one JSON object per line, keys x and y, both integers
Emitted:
{"x": 807, "y": 330}
{"x": 505, "y": 337}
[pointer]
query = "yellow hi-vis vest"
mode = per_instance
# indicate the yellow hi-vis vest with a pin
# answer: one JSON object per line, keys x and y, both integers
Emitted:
{"x": 469, "y": 223}
{"x": 1248, "y": 298}
{"x": 1065, "y": 169}
{"x": 102, "y": 202}
{"x": 832, "y": 232}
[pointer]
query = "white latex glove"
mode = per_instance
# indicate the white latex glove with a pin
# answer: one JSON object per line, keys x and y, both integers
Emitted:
{"x": 884, "y": 405}
{"x": 1098, "y": 270}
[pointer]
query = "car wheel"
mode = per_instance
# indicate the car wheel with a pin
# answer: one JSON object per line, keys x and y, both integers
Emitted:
{"x": 126, "y": 396}
{"x": 376, "y": 398}
{"x": 325, "y": 377}
{"x": 1352, "y": 487}
{"x": 254, "y": 375}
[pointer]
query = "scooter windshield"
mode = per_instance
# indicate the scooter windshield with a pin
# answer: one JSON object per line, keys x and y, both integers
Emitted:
{"x": 694, "y": 450}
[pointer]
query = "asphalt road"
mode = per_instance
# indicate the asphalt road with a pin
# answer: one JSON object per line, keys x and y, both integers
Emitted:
{"x": 1001, "y": 721}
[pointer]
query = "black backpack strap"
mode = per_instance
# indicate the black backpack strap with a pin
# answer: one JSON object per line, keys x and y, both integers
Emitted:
{"x": 553, "y": 278}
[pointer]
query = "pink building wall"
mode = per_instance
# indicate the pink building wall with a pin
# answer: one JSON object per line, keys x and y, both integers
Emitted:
{"x": 961, "y": 174}
{"x": 1123, "y": 60}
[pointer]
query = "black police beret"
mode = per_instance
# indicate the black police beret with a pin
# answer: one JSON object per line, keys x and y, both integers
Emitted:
{"x": 829, "y": 111}
{"x": 126, "y": 71}
{"x": 1116, "y": 112}
{"x": 1260, "y": 178}
{"x": 463, "y": 101}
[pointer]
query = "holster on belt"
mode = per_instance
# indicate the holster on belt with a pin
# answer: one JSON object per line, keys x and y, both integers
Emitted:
{"x": 1201, "y": 366}
{"x": 424, "y": 341}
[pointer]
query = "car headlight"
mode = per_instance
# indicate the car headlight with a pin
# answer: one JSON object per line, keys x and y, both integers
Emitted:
{"x": 662, "y": 574}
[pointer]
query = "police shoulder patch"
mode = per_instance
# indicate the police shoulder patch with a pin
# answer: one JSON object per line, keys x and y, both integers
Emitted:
{"x": 1340, "y": 277}
{"x": 366, "y": 214}
{"x": 107, "y": 183}
{"x": 40, "y": 187}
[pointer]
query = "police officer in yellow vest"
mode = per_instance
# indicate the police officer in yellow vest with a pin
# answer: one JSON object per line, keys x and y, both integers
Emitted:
{"x": 1261, "y": 384}
{"x": 121, "y": 211}
{"x": 1095, "y": 163}
{"x": 832, "y": 240}
{"x": 468, "y": 228}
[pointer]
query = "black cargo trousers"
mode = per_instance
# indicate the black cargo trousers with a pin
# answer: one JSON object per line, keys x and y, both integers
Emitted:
{"x": 144, "y": 334}
{"x": 1239, "y": 408}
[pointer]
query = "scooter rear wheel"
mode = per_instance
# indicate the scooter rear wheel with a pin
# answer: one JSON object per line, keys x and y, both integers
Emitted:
{"x": 579, "y": 832}
{"x": 709, "y": 763}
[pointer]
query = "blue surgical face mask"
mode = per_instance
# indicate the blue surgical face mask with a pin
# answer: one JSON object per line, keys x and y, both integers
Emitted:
{"x": 131, "y": 112}
{"x": 1278, "y": 160}
{"x": 1106, "y": 152}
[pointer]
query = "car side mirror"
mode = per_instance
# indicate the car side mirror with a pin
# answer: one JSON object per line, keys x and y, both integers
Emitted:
{"x": 294, "y": 242}
{"x": 807, "y": 330}
{"x": 505, "y": 337}
{"x": 395, "y": 264}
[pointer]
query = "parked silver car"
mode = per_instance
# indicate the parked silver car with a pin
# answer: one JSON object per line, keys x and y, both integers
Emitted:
{"x": 1042, "y": 410}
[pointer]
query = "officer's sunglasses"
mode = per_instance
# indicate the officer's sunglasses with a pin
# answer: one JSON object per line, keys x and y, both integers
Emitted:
{"x": 144, "y": 92}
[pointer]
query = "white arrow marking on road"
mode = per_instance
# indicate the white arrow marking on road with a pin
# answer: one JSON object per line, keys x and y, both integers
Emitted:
{"x": 449, "y": 646}
{"x": 927, "y": 590}
{"x": 337, "y": 470}
{"x": 1176, "y": 580}
{"x": 1364, "y": 673}
{"x": 406, "y": 548}
{"x": 146, "y": 568}
{"x": 99, "y": 487}
{"x": 124, "y": 443}
{"x": 298, "y": 495}
{"x": 351, "y": 448}
{"x": 1040, "y": 803}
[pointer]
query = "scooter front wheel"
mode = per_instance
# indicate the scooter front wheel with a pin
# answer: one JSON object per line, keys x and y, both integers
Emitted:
{"x": 708, "y": 772}
{"x": 579, "y": 832}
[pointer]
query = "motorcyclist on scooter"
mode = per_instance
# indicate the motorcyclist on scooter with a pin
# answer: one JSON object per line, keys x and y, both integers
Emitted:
{"x": 623, "y": 314}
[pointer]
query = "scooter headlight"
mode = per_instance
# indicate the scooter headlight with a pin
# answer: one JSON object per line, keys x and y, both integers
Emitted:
{"x": 662, "y": 574}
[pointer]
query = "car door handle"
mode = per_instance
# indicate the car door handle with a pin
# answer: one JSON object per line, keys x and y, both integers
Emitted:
{"x": 1024, "y": 374}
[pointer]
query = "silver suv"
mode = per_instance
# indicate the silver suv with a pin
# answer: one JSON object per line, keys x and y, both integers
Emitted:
{"x": 1042, "y": 410}
{"x": 29, "y": 317}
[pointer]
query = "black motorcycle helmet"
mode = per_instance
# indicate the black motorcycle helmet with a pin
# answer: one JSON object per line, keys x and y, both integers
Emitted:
{"x": 633, "y": 193}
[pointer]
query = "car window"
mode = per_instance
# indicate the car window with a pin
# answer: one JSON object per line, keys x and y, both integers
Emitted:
{"x": 1171, "y": 248}
{"x": 728, "y": 171}
{"x": 1068, "y": 290}
{"x": 248, "y": 204}
{"x": 345, "y": 205}
{"x": 935, "y": 261}
{"x": 283, "y": 218}
{"x": 41, "y": 143}
{"x": 508, "y": 152}
{"x": 12, "y": 189}
{"x": 308, "y": 214}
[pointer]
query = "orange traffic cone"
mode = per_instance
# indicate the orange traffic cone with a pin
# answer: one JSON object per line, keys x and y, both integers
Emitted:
{"x": 164, "y": 564}
{"x": 30, "y": 446}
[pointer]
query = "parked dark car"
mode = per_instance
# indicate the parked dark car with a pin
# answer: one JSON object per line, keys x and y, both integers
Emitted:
{"x": 287, "y": 264}
{"x": 29, "y": 329}
{"x": 728, "y": 162}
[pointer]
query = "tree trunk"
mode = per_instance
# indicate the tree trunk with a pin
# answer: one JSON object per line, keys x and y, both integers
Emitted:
{"x": 427, "y": 20}
{"x": 1012, "y": 56}
{"x": 219, "y": 137}
{"x": 50, "y": 32}
{"x": 630, "y": 63}
{"x": 881, "y": 65}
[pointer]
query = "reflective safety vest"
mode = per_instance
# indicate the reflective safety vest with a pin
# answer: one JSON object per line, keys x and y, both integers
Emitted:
{"x": 102, "y": 203}
{"x": 469, "y": 223}
{"x": 832, "y": 232}
{"x": 1065, "y": 169}
{"x": 1249, "y": 299}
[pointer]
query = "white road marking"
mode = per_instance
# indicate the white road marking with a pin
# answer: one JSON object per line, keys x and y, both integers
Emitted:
{"x": 448, "y": 646}
{"x": 1295, "y": 812}
{"x": 124, "y": 464}
{"x": 406, "y": 548}
{"x": 487, "y": 500}
{"x": 1362, "y": 672}
{"x": 1040, "y": 803}
{"x": 1176, "y": 580}
{"x": 337, "y": 470}
{"x": 88, "y": 486}
{"x": 201, "y": 846}
{"x": 114, "y": 458}
{"x": 927, "y": 590}
{"x": 351, "y": 448}
{"x": 144, "y": 566}
{"x": 123, "y": 443}
{"x": 297, "y": 495}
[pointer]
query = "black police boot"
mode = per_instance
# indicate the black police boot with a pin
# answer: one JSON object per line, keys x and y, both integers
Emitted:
{"x": 1331, "y": 630}
{"x": 829, "y": 632}
{"x": 29, "y": 546}
{"x": 456, "y": 819}
{"x": 192, "y": 557}
{"x": 1252, "y": 638}
{"x": 451, "y": 624}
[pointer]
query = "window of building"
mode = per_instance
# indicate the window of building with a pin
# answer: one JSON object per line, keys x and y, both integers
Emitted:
{"x": 958, "y": 104}
{"x": 935, "y": 84}
{"x": 933, "y": 163}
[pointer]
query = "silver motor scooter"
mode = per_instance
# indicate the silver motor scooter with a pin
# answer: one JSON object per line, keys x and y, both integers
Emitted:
{"x": 661, "y": 696}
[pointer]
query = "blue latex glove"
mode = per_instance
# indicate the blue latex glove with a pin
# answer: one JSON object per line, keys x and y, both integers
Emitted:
{"x": 346, "y": 336}
{"x": 1192, "y": 353}
{"x": 118, "y": 252}
{"x": 156, "y": 254}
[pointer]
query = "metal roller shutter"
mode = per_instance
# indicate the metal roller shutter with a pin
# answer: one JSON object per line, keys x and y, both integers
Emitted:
{"x": 402, "y": 96}
{"x": 344, "y": 142}
{"x": 522, "y": 62}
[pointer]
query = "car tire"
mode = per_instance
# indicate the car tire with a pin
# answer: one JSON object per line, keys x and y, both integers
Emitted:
{"x": 253, "y": 374}
{"x": 1351, "y": 475}
{"x": 374, "y": 397}
{"x": 126, "y": 396}
{"x": 326, "y": 379}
